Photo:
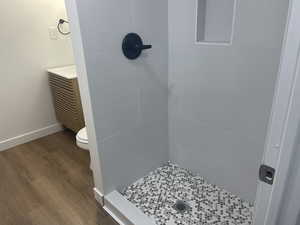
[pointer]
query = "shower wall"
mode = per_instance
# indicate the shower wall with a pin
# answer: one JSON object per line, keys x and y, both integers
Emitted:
{"x": 221, "y": 95}
{"x": 129, "y": 98}
{"x": 290, "y": 207}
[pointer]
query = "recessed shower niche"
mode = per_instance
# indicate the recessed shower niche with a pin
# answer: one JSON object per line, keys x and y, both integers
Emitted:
{"x": 215, "y": 21}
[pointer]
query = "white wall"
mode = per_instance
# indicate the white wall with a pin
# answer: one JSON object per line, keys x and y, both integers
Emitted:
{"x": 129, "y": 98}
{"x": 221, "y": 95}
{"x": 26, "y": 51}
{"x": 290, "y": 204}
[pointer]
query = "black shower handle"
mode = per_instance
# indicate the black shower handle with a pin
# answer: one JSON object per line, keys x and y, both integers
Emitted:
{"x": 144, "y": 47}
{"x": 138, "y": 47}
{"x": 133, "y": 46}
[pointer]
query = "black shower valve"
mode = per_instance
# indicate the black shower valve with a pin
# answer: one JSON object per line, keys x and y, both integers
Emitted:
{"x": 133, "y": 46}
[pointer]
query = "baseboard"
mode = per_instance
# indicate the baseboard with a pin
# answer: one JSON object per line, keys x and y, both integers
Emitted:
{"x": 30, "y": 136}
{"x": 99, "y": 196}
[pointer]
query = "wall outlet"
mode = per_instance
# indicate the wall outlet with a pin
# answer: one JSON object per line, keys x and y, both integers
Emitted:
{"x": 53, "y": 33}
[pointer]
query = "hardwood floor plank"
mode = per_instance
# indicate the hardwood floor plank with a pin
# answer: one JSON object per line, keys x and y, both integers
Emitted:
{"x": 48, "y": 182}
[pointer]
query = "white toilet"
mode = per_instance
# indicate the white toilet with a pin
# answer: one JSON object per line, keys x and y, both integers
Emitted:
{"x": 82, "y": 139}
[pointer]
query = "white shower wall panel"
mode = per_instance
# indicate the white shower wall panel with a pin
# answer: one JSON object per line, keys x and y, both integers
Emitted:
{"x": 129, "y": 97}
{"x": 221, "y": 95}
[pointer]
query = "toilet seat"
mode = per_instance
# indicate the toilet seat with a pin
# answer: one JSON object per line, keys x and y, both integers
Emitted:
{"x": 82, "y": 139}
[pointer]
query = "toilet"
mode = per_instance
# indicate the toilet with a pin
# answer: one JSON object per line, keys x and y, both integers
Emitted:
{"x": 82, "y": 139}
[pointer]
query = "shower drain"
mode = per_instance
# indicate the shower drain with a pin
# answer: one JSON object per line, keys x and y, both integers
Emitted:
{"x": 181, "y": 206}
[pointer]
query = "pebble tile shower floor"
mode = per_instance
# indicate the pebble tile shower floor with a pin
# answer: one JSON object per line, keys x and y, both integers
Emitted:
{"x": 157, "y": 193}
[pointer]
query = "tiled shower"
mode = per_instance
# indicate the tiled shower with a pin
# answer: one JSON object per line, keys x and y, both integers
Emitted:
{"x": 173, "y": 195}
{"x": 181, "y": 129}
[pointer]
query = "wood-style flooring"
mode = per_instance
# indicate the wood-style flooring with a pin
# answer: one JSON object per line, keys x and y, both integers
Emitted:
{"x": 48, "y": 182}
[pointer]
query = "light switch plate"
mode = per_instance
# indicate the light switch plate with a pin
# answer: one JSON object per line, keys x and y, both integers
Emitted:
{"x": 53, "y": 33}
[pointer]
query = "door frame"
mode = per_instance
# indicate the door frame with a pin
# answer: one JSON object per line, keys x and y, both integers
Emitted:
{"x": 282, "y": 131}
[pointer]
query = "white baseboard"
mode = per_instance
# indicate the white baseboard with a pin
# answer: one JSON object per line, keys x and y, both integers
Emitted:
{"x": 99, "y": 197}
{"x": 30, "y": 136}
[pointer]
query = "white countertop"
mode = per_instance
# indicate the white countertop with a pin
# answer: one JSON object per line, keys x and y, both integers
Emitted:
{"x": 68, "y": 72}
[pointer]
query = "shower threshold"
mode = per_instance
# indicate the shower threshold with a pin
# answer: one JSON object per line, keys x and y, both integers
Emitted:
{"x": 171, "y": 195}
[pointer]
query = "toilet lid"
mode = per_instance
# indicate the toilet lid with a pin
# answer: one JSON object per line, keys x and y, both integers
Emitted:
{"x": 82, "y": 135}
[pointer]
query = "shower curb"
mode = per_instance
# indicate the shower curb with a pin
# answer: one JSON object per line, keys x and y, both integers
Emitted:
{"x": 123, "y": 211}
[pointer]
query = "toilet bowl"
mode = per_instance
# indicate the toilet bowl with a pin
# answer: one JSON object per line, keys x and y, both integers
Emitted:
{"x": 82, "y": 139}
{"x": 82, "y": 142}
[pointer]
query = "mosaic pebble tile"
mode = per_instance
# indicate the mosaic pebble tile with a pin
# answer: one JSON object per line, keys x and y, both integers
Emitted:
{"x": 157, "y": 193}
